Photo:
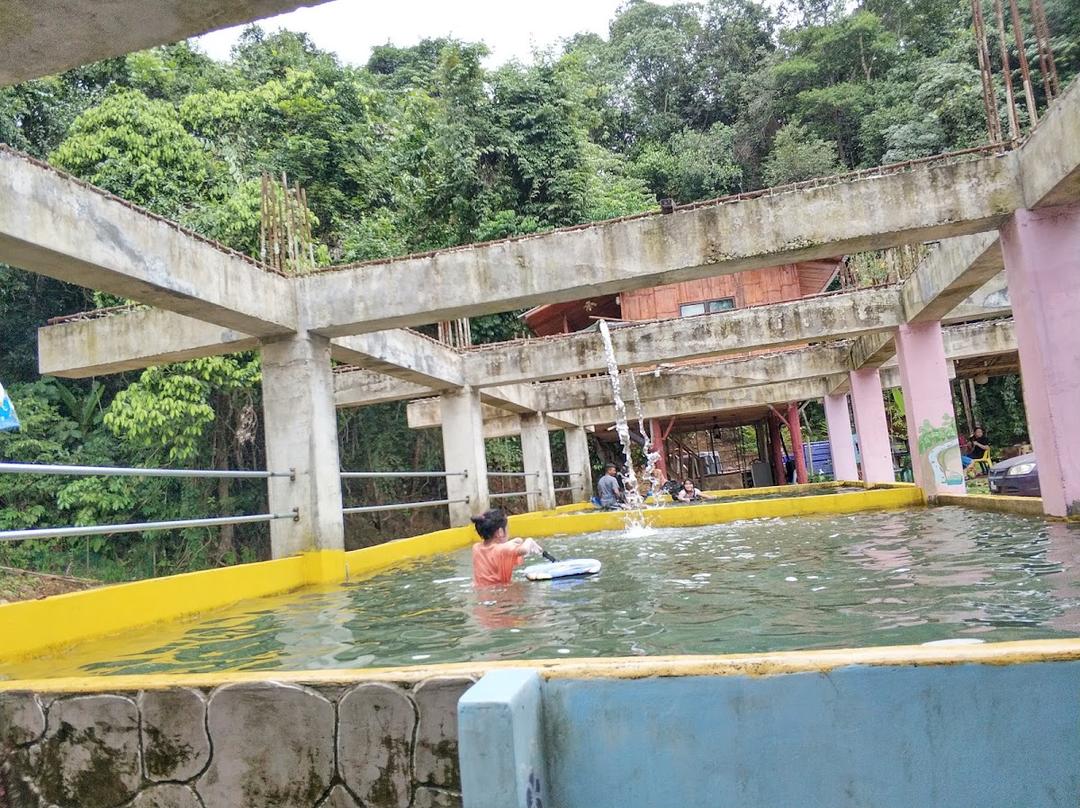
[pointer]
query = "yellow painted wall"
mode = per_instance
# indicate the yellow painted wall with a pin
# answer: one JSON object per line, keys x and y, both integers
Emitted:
{"x": 1023, "y": 506}
{"x": 553, "y": 524}
{"x": 33, "y": 628}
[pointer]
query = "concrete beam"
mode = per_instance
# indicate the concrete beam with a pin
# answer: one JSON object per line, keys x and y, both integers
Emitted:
{"x": 953, "y": 271}
{"x": 721, "y": 401}
{"x": 140, "y": 338}
{"x": 40, "y": 39}
{"x": 925, "y": 202}
{"x": 54, "y": 225}
{"x": 574, "y": 398}
{"x": 811, "y": 362}
{"x": 355, "y": 388}
{"x": 405, "y": 355}
{"x": 890, "y": 376}
{"x": 426, "y": 413}
{"x": 132, "y": 340}
{"x": 1051, "y": 155}
{"x": 872, "y": 351}
{"x": 988, "y": 301}
{"x": 991, "y": 338}
{"x": 509, "y": 425}
{"x": 829, "y": 317}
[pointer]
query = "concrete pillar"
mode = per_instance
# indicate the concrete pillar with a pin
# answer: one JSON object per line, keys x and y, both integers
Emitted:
{"x": 928, "y": 408}
{"x": 463, "y": 450}
{"x": 500, "y": 742}
{"x": 301, "y": 434}
{"x": 1042, "y": 265}
{"x": 578, "y": 464}
{"x": 779, "y": 470}
{"x": 840, "y": 443}
{"x": 870, "y": 423}
{"x": 795, "y": 429}
{"x": 536, "y": 458}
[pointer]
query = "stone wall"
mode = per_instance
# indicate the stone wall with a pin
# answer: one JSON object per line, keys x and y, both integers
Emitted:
{"x": 248, "y": 745}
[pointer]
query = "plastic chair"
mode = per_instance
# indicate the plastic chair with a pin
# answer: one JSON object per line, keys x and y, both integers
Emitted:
{"x": 982, "y": 463}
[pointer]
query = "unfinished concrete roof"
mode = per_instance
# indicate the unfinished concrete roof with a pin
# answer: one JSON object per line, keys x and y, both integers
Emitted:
{"x": 43, "y": 37}
{"x": 59, "y": 226}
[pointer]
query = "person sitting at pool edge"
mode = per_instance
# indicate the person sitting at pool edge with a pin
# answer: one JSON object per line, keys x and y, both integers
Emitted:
{"x": 610, "y": 491}
{"x": 689, "y": 492}
{"x": 980, "y": 451}
{"x": 495, "y": 557}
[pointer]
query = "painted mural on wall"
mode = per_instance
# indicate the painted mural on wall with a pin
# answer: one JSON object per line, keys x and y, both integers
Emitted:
{"x": 939, "y": 454}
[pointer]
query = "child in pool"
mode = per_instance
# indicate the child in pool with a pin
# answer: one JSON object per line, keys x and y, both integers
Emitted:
{"x": 495, "y": 557}
{"x": 690, "y": 492}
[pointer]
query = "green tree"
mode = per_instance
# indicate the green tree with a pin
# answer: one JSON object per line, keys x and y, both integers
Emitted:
{"x": 138, "y": 149}
{"x": 798, "y": 155}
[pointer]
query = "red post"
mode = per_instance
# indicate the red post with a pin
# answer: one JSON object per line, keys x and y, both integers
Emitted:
{"x": 795, "y": 428}
{"x": 779, "y": 472}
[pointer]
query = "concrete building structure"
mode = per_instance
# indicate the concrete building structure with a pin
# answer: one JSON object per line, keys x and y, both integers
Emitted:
{"x": 829, "y": 721}
{"x": 155, "y": 262}
{"x": 689, "y": 299}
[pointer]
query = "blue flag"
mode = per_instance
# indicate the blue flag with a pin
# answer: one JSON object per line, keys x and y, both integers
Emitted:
{"x": 9, "y": 421}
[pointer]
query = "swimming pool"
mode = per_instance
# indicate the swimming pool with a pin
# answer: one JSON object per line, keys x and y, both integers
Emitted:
{"x": 863, "y": 579}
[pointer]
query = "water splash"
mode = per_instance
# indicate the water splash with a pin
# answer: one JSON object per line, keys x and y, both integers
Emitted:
{"x": 651, "y": 456}
{"x": 635, "y": 517}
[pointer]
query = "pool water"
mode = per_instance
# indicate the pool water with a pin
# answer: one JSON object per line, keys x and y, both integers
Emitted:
{"x": 887, "y": 578}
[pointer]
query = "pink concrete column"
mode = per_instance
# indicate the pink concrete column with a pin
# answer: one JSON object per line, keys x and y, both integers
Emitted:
{"x": 840, "y": 444}
{"x": 1042, "y": 264}
{"x": 795, "y": 429}
{"x": 928, "y": 408}
{"x": 870, "y": 423}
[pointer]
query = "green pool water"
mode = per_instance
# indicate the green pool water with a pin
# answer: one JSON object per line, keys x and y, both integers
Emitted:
{"x": 775, "y": 584}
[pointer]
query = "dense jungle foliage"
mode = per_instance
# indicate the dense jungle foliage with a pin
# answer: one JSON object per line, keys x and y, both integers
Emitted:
{"x": 426, "y": 147}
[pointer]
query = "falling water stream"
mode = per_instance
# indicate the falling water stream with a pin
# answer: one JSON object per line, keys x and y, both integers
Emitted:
{"x": 651, "y": 455}
{"x": 635, "y": 517}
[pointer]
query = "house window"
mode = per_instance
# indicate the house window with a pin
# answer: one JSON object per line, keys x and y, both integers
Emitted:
{"x": 706, "y": 307}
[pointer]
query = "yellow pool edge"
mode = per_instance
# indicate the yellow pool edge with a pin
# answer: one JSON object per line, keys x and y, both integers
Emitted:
{"x": 38, "y": 627}
{"x": 775, "y": 663}
{"x": 897, "y": 495}
{"x": 1021, "y": 506}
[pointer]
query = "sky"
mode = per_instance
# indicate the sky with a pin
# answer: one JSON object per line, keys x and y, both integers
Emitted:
{"x": 511, "y": 30}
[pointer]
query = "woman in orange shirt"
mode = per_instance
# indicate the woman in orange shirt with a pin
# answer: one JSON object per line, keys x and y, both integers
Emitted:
{"x": 496, "y": 556}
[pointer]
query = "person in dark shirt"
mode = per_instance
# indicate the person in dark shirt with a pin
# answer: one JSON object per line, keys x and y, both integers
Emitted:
{"x": 980, "y": 450}
{"x": 610, "y": 490}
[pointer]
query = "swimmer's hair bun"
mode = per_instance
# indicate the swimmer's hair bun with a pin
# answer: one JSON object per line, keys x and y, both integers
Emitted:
{"x": 489, "y": 522}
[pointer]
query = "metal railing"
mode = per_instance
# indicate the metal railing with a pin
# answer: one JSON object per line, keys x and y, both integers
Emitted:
{"x": 567, "y": 488}
{"x": 508, "y": 494}
{"x": 513, "y": 474}
{"x": 363, "y": 475}
{"x": 138, "y": 527}
{"x": 122, "y": 471}
{"x": 400, "y": 506}
{"x": 403, "y": 506}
